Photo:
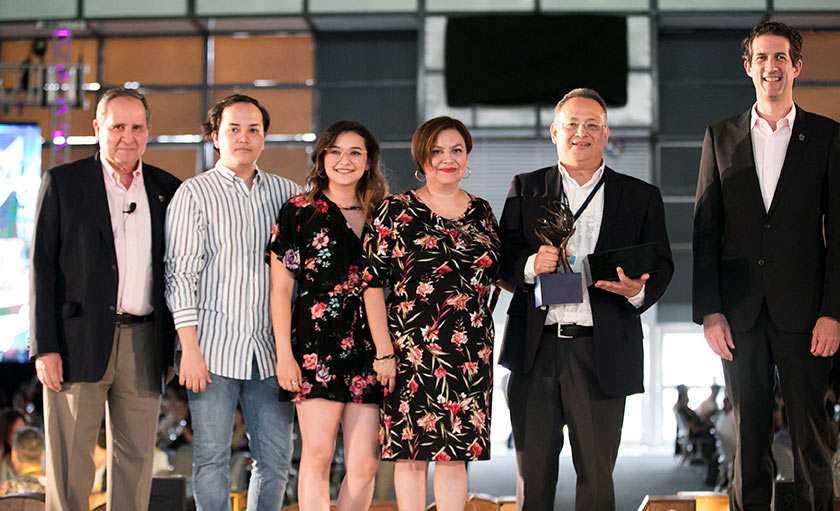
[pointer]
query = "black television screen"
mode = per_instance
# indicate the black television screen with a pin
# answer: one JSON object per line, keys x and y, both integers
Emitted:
{"x": 534, "y": 59}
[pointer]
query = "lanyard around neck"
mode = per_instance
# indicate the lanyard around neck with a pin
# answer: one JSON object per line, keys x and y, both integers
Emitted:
{"x": 588, "y": 198}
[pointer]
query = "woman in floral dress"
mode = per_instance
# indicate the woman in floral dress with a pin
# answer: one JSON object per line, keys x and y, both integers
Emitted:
{"x": 437, "y": 249}
{"x": 325, "y": 353}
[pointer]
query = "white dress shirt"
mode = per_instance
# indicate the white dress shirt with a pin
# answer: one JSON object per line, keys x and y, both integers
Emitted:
{"x": 132, "y": 240}
{"x": 582, "y": 243}
{"x": 769, "y": 149}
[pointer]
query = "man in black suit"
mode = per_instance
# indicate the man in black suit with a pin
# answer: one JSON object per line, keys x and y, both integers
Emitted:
{"x": 767, "y": 268}
{"x": 100, "y": 329}
{"x": 573, "y": 365}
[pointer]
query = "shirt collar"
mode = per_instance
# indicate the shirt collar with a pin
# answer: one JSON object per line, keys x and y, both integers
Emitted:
{"x": 568, "y": 178}
{"x": 231, "y": 176}
{"x": 111, "y": 174}
{"x": 787, "y": 120}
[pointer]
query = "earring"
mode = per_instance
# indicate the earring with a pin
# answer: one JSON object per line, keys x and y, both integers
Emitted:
{"x": 419, "y": 176}
{"x": 467, "y": 175}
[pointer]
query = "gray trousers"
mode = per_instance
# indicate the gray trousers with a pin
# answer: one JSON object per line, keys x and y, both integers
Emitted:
{"x": 129, "y": 395}
{"x": 562, "y": 390}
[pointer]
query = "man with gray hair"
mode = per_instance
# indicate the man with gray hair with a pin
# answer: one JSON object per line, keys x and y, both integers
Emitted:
{"x": 574, "y": 364}
{"x": 100, "y": 329}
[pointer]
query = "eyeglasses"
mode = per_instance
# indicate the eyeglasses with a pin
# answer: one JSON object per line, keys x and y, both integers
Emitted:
{"x": 354, "y": 155}
{"x": 590, "y": 127}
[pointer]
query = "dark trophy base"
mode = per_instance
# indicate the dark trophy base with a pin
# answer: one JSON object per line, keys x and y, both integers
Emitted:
{"x": 558, "y": 288}
{"x": 635, "y": 261}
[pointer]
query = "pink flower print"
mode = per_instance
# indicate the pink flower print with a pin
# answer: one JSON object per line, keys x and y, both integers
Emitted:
{"x": 484, "y": 261}
{"x": 442, "y": 456}
{"x": 485, "y": 353}
{"x": 458, "y": 300}
{"x": 404, "y": 218}
{"x": 443, "y": 269}
{"x": 320, "y": 240}
{"x": 424, "y": 288}
{"x": 475, "y": 319}
{"x": 398, "y": 252}
{"x": 440, "y": 373}
{"x": 427, "y": 422}
{"x": 357, "y": 386}
{"x": 317, "y": 310}
{"x": 427, "y": 241}
{"x": 403, "y": 407}
{"x": 469, "y": 368}
{"x": 383, "y": 231}
{"x": 347, "y": 343}
{"x": 412, "y": 386}
{"x": 310, "y": 361}
{"x": 322, "y": 375}
{"x": 459, "y": 338}
{"x": 475, "y": 449}
{"x": 430, "y": 332}
{"x": 310, "y": 264}
{"x": 405, "y": 307}
{"x": 477, "y": 419}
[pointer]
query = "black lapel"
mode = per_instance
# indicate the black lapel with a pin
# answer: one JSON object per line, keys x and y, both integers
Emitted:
{"x": 157, "y": 208}
{"x": 93, "y": 188}
{"x": 553, "y": 184}
{"x": 612, "y": 198}
{"x": 796, "y": 150}
{"x": 743, "y": 160}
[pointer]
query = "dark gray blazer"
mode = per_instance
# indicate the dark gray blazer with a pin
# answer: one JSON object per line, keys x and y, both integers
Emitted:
{"x": 73, "y": 289}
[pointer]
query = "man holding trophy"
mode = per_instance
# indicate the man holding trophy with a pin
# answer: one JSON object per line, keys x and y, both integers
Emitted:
{"x": 573, "y": 341}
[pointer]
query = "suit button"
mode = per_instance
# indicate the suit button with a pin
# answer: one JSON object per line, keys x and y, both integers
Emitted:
{"x": 111, "y": 308}
{"x": 543, "y": 307}
{"x": 761, "y": 262}
{"x": 114, "y": 267}
{"x": 766, "y": 226}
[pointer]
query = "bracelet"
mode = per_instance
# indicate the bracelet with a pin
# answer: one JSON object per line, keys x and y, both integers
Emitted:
{"x": 384, "y": 357}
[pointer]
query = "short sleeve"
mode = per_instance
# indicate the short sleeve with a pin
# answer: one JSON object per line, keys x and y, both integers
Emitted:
{"x": 378, "y": 246}
{"x": 285, "y": 235}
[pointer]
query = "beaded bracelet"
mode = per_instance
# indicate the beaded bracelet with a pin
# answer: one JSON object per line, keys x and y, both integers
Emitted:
{"x": 384, "y": 357}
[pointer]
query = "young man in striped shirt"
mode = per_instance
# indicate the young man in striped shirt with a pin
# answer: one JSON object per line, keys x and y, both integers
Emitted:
{"x": 217, "y": 286}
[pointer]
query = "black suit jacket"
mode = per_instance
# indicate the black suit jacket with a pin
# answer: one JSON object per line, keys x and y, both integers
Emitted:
{"x": 745, "y": 255}
{"x": 633, "y": 214}
{"x": 73, "y": 291}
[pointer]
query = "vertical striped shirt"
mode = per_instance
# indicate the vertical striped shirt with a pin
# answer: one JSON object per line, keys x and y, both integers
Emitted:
{"x": 217, "y": 231}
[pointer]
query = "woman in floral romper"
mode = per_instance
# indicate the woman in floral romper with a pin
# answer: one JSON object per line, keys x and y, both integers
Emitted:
{"x": 437, "y": 249}
{"x": 325, "y": 353}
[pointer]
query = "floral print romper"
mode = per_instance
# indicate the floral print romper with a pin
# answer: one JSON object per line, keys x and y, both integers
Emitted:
{"x": 330, "y": 338}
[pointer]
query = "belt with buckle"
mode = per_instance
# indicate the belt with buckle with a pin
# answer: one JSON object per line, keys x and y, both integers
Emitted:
{"x": 130, "y": 319}
{"x": 571, "y": 331}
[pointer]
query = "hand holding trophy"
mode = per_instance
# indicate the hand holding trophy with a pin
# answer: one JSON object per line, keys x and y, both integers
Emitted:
{"x": 555, "y": 228}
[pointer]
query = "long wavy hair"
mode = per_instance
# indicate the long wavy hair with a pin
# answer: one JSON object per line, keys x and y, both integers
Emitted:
{"x": 371, "y": 188}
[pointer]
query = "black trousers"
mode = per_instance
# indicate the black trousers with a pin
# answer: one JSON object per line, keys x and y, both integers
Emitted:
{"x": 803, "y": 380}
{"x": 562, "y": 390}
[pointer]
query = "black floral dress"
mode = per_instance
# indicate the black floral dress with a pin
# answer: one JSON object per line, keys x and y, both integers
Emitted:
{"x": 330, "y": 338}
{"x": 440, "y": 272}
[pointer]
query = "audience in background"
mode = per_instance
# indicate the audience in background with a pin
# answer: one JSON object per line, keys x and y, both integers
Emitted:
{"x": 709, "y": 409}
{"x": 26, "y": 455}
{"x": 11, "y": 421}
